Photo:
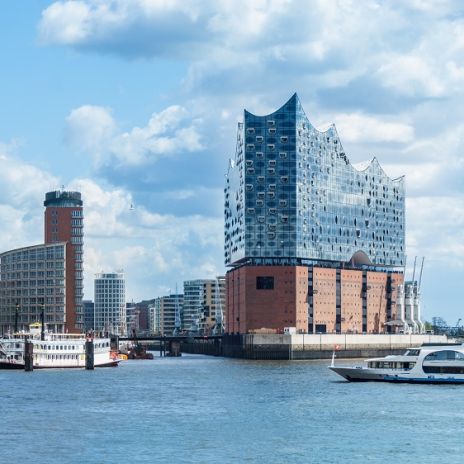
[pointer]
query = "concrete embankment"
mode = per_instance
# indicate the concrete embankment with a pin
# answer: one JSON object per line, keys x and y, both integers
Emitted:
{"x": 309, "y": 346}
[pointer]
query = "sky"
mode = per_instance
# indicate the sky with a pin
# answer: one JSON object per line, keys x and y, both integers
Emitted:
{"x": 135, "y": 103}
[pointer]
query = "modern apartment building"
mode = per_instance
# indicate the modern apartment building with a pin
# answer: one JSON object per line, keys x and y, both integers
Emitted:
{"x": 47, "y": 276}
{"x": 313, "y": 241}
{"x": 165, "y": 314}
{"x": 204, "y": 302}
{"x": 110, "y": 303}
{"x": 32, "y": 280}
{"x": 64, "y": 222}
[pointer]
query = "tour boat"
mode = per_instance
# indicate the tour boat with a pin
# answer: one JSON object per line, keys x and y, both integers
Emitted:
{"x": 429, "y": 363}
{"x": 51, "y": 350}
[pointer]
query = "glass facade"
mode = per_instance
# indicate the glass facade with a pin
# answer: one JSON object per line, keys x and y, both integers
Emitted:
{"x": 110, "y": 303}
{"x": 163, "y": 314}
{"x": 291, "y": 192}
{"x": 204, "y": 299}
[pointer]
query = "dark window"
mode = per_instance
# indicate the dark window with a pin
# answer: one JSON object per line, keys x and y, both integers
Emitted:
{"x": 445, "y": 355}
{"x": 443, "y": 369}
{"x": 265, "y": 283}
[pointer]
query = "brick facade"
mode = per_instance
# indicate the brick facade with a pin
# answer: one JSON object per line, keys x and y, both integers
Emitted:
{"x": 311, "y": 299}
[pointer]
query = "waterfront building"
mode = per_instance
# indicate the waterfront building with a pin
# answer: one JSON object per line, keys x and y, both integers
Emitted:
{"x": 89, "y": 316}
{"x": 110, "y": 303}
{"x": 64, "y": 222}
{"x": 48, "y": 275}
{"x": 165, "y": 314}
{"x": 204, "y": 302}
{"x": 132, "y": 322}
{"x": 137, "y": 318}
{"x": 313, "y": 241}
{"x": 32, "y": 280}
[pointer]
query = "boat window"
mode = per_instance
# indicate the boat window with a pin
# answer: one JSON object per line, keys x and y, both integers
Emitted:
{"x": 443, "y": 355}
{"x": 412, "y": 353}
{"x": 443, "y": 369}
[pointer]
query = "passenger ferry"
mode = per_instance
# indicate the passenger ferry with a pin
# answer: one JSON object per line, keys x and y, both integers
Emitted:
{"x": 429, "y": 363}
{"x": 54, "y": 351}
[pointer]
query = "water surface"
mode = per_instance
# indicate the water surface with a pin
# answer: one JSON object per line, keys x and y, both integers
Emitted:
{"x": 198, "y": 409}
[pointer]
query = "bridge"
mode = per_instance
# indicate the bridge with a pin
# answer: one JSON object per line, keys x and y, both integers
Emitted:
{"x": 168, "y": 345}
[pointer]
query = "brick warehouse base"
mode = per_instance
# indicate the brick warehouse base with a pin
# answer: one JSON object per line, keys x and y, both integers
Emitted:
{"x": 310, "y": 298}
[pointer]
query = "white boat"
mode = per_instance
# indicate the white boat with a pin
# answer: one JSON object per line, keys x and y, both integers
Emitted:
{"x": 52, "y": 350}
{"x": 429, "y": 363}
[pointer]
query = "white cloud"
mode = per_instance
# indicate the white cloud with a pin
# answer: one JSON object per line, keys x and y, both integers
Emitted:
{"x": 89, "y": 128}
{"x": 411, "y": 75}
{"x": 169, "y": 132}
{"x": 65, "y": 22}
{"x": 435, "y": 229}
{"x": 22, "y": 191}
{"x": 355, "y": 127}
{"x": 163, "y": 135}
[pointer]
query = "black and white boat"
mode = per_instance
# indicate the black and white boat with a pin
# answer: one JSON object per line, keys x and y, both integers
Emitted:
{"x": 51, "y": 350}
{"x": 429, "y": 363}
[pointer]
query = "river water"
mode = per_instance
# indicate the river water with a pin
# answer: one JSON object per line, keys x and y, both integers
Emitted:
{"x": 199, "y": 409}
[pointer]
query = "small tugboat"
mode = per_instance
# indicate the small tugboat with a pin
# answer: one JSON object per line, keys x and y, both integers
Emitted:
{"x": 429, "y": 363}
{"x": 136, "y": 350}
{"x": 51, "y": 350}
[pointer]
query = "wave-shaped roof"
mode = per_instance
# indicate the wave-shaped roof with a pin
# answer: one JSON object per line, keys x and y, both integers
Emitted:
{"x": 294, "y": 105}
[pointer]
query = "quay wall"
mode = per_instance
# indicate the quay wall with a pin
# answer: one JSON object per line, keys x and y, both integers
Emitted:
{"x": 308, "y": 346}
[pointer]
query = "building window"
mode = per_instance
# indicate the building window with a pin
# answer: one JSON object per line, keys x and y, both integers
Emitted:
{"x": 264, "y": 283}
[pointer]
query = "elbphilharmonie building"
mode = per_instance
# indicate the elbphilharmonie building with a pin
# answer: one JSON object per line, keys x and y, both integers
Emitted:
{"x": 304, "y": 228}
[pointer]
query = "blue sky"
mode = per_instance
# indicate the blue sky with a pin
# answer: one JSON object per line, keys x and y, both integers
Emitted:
{"x": 137, "y": 102}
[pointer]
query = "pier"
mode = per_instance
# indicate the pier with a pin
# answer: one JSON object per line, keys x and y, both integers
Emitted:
{"x": 287, "y": 346}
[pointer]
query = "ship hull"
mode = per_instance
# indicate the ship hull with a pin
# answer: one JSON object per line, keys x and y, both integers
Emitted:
{"x": 7, "y": 365}
{"x": 353, "y": 374}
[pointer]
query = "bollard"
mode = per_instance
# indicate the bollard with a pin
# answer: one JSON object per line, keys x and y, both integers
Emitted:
{"x": 28, "y": 356}
{"x": 89, "y": 355}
